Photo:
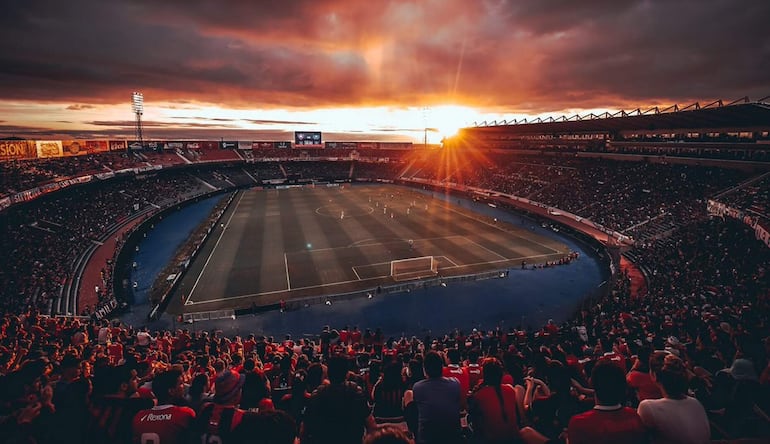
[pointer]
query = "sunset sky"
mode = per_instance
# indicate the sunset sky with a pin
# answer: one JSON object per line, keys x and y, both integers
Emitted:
{"x": 363, "y": 69}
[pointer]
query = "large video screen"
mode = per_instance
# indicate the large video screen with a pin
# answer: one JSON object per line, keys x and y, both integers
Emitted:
{"x": 307, "y": 139}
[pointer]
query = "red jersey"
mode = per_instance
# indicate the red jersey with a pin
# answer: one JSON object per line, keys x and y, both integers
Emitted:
{"x": 645, "y": 387}
{"x": 216, "y": 423}
{"x": 461, "y": 373}
{"x": 474, "y": 375}
{"x": 495, "y": 417}
{"x": 164, "y": 424}
{"x": 603, "y": 425}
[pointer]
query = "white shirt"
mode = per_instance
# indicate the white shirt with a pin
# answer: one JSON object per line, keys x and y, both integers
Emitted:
{"x": 675, "y": 420}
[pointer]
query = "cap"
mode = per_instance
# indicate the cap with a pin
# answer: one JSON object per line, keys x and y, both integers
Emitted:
{"x": 228, "y": 385}
{"x": 742, "y": 370}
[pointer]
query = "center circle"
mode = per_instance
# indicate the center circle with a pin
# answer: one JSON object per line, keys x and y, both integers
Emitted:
{"x": 337, "y": 211}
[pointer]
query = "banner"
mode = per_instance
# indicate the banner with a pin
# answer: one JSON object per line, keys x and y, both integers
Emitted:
{"x": 118, "y": 145}
{"x": 262, "y": 145}
{"x": 342, "y": 145}
{"x": 174, "y": 145}
{"x": 396, "y": 145}
{"x": 48, "y": 148}
{"x": 192, "y": 145}
{"x": 245, "y": 145}
{"x": 760, "y": 228}
{"x": 368, "y": 145}
{"x": 228, "y": 145}
{"x": 97, "y": 146}
{"x": 282, "y": 145}
{"x": 17, "y": 149}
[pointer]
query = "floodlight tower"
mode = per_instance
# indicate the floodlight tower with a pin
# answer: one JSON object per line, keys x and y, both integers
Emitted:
{"x": 137, "y": 105}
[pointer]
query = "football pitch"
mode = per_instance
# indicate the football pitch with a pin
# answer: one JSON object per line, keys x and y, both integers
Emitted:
{"x": 296, "y": 243}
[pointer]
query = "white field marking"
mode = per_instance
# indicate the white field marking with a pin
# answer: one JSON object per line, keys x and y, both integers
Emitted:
{"x": 485, "y": 248}
{"x": 356, "y": 273}
{"x": 267, "y": 293}
{"x": 393, "y": 240}
{"x": 450, "y": 260}
{"x": 500, "y": 228}
{"x": 370, "y": 210}
{"x": 286, "y": 264}
{"x": 192, "y": 290}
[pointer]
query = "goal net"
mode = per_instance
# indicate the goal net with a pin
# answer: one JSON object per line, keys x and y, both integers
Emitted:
{"x": 413, "y": 268}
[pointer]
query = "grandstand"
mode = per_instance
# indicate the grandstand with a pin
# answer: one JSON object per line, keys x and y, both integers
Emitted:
{"x": 681, "y": 194}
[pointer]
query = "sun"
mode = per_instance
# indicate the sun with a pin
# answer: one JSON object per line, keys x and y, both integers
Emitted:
{"x": 449, "y": 119}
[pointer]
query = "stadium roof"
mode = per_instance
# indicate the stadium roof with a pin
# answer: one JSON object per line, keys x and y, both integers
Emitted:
{"x": 732, "y": 116}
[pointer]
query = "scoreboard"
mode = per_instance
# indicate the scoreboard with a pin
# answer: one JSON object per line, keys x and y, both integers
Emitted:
{"x": 307, "y": 139}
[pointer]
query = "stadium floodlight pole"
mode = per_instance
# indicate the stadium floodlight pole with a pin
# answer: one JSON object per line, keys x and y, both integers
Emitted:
{"x": 137, "y": 105}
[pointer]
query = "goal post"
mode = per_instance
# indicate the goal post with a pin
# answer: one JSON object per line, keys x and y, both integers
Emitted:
{"x": 413, "y": 268}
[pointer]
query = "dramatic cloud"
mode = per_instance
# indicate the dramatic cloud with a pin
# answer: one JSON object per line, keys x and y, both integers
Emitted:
{"x": 528, "y": 56}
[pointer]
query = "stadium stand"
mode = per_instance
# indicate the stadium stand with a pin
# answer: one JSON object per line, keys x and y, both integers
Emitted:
{"x": 696, "y": 342}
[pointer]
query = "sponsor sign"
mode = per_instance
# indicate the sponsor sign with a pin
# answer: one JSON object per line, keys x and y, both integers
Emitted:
{"x": 245, "y": 145}
{"x": 48, "y": 148}
{"x": 396, "y": 145}
{"x": 368, "y": 145}
{"x": 117, "y": 145}
{"x": 80, "y": 147}
{"x": 262, "y": 145}
{"x": 97, "y": 146}
{"x": 105, "y": 309}
{"x": 17, "y": 149}
{"x": 192, "y": 145}
{"x": 342, "y": 145}
{"x": 282, "y": 145}
{"x": 228, "y": 145}
{"x": 175, "y": 145}
{"x": 760, "y": 231}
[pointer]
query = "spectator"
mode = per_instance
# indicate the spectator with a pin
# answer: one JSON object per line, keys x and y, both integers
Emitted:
{"x": 437, "y": 400}
{"x": 167, "y": 422}
{"x": 115, "y": 405}
{"x": 216, "y": 420}
{"x": 609, "y": 421}
{"x": 676, "y": 418}
{"x": 338, "y": 412}
{"x": 494, "y": 407}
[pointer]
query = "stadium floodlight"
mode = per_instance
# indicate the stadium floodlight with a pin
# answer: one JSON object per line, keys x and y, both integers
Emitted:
{"x": 137, "y": 102}
{"x": 137, "y": 105}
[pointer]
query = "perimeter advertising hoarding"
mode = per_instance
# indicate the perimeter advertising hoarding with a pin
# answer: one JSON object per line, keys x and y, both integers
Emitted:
{"x": 17, "y": 149}
{"x": 192, "y": 145}
{"x": 307, "y": 139}
{"x": 245, "y": 145}
{"x": 283, "y": 145}
{"x": 228, "y": 145}
{"x": 117, "y": 145}
{"x": 342, "y": 145}
{"x": 80, "y": 147}
{"x": 385, "y": 145}
{"x": 48, "y": 148}
{"x": 174, "y": 146}
{"x": 262, "y": 145}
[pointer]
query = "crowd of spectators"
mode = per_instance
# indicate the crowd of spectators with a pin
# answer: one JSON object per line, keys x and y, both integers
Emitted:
{"x": 639, "y": 199}
{"x": 21, "y": 175}
{"x": 687, "y": 362}
{"x": 753, "y": 197}
{"x": 43, "y": 238}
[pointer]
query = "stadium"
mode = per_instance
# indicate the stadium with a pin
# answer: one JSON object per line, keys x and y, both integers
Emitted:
{"x": 670, "y": 207}
{"x": 385, "y": 222}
